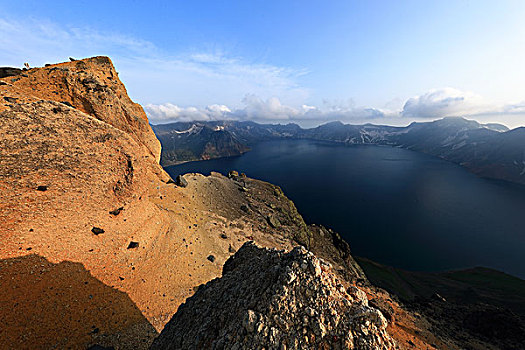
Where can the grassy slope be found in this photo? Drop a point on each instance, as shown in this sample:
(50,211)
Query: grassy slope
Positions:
(465,286)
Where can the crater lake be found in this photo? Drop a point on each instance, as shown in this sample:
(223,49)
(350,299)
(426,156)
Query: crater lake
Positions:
(395,206)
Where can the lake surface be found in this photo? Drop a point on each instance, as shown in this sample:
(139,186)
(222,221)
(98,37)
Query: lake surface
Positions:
(395,206)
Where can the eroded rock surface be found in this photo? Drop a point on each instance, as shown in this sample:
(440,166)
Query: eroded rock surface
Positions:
(90,85)
(276,300)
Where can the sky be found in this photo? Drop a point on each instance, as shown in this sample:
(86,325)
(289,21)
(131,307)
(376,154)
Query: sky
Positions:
(308,62)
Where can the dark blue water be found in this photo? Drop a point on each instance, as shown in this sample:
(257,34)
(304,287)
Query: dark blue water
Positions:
(395,206)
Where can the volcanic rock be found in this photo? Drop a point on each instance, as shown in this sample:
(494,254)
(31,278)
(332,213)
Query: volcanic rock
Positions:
(9,71)
(133,245)
(117,211)
(274,299)
(97,230)
(181,181)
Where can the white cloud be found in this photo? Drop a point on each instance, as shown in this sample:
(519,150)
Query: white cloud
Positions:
(169,112)
(270,109)
(434,104)
(445,102)
(264,110)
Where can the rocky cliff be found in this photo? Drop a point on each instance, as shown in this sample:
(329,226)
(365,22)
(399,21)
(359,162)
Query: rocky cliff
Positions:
(78,162)
(91,86)
(101,247)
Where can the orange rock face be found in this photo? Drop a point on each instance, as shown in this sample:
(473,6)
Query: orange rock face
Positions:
(97,246)
(91,86)
(74,148)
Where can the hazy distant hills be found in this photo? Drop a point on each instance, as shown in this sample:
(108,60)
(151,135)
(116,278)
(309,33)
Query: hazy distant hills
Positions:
(489,150)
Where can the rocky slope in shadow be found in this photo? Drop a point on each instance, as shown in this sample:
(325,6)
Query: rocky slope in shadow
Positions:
(39,298)
(478,308)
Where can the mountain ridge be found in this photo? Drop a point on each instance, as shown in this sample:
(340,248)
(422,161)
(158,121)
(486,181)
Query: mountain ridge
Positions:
(488,150)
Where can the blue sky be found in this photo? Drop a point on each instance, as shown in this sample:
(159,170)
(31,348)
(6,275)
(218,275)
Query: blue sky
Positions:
(303,61)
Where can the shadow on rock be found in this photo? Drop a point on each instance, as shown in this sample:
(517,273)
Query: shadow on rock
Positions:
(46,305)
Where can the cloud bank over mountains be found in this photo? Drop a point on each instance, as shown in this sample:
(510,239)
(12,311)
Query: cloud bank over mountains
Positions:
(434,104)
(262,110)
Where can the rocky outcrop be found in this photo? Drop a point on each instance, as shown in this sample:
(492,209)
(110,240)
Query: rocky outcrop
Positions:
(9,72)
(71,152)
(276,300)
(91,86)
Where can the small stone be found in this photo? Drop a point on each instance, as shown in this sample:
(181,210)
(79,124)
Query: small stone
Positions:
(41,188)
(211,258)
(319,329)
(133,245)
(181,181)
(97,230)
(358,294)
(249,321)
(117,211)
(273,221)
(315,267)
(224,236)
(310,312)
(438,297)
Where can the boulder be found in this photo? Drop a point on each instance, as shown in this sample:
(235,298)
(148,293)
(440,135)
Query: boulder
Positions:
(97,230)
